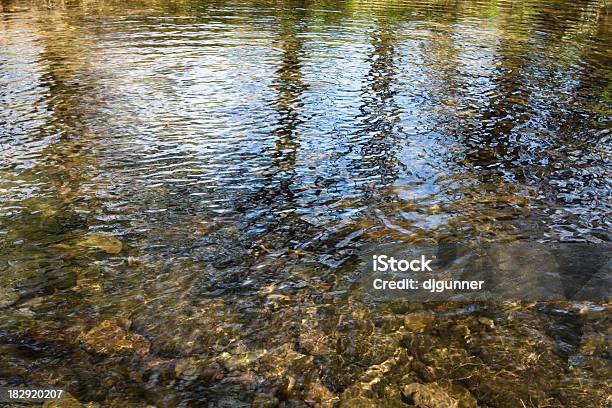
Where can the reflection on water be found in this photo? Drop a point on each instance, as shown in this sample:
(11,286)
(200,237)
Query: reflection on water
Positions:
(186,188)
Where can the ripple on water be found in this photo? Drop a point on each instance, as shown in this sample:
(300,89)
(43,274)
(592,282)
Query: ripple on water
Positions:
(237,156)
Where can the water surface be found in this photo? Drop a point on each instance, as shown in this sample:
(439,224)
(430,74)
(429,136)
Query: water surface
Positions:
(243,154)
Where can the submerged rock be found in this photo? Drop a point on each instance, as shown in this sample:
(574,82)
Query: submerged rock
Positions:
(318,395)
(191,369)
(7,297)
(106,243)
(486,322)
(240,360)
(418,321)
(265,401)
(314,342)
(109,338)
(45,281)
(429,396)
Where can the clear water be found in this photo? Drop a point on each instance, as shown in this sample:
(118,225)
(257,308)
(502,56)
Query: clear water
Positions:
(244,153)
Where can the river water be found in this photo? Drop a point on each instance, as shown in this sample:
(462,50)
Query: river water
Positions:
(186,188)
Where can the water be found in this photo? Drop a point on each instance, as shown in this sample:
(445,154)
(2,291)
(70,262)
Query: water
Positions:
(244,154)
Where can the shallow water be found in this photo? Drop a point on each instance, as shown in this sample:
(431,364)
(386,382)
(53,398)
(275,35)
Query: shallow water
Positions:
(243,155)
